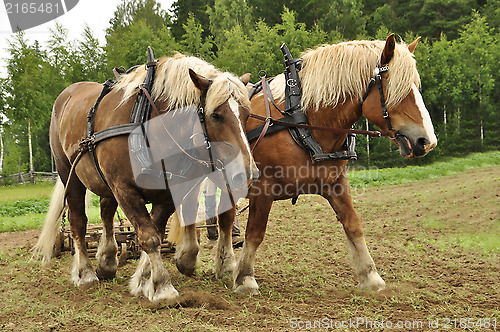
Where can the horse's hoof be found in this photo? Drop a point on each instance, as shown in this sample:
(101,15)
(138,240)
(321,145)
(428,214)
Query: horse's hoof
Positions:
(85,278)
(105,273)
(249,286)
(168,294)
(185,270)
(373,282)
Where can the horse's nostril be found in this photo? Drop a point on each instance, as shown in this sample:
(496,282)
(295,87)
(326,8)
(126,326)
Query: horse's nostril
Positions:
(422,142)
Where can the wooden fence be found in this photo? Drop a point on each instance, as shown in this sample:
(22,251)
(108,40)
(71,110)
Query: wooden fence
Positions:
(28,178)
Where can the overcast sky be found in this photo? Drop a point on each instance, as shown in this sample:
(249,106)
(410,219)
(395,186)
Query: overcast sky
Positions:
(96,13)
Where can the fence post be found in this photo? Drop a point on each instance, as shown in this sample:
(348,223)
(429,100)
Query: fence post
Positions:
(21,179)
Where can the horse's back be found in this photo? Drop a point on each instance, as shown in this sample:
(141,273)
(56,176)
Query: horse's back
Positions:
(76,92)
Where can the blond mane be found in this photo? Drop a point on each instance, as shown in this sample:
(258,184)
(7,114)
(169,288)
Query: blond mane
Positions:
(332,74)
(174,86)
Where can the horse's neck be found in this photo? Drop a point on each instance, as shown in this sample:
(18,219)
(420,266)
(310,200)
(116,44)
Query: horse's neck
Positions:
(342,116)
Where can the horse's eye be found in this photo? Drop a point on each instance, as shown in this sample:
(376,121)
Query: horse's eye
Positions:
(216,117)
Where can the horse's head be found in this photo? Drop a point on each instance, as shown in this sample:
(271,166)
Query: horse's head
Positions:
(227,109)
(408,121)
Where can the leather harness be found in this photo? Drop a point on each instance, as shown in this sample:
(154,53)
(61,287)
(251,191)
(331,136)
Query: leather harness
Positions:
(295,118)
(296,121)
(140,114)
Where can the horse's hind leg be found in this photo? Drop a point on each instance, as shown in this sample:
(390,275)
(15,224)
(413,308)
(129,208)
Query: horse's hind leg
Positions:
(340,199)
(108,249)
(82,272)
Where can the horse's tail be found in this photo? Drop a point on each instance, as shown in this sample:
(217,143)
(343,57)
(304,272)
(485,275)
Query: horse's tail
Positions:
(176,231)
(44,248)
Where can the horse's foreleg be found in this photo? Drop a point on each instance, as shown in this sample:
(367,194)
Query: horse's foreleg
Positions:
(224,260)
(151,278)
(82,272)
(243,276)
(108,248)
(187,251)
(363,265)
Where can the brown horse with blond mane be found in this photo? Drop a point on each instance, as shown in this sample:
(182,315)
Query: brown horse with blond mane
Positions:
(334,81)
(181,82)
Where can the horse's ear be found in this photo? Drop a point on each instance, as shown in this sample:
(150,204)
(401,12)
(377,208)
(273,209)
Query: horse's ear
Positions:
(388,52)
(412,46)
(245,78)
(199,81)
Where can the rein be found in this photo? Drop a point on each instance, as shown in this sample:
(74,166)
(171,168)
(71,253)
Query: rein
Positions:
(373,133)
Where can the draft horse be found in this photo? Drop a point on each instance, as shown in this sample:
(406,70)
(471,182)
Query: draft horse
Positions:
(180,82)
(335,79)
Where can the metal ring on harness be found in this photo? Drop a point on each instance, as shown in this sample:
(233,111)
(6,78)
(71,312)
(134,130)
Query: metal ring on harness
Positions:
(291,82)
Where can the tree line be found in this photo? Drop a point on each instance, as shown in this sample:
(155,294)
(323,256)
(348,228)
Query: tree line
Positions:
(458,61)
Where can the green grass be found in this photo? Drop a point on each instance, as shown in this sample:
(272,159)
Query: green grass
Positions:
(13,193)
(22,214)
(486,243)
(389,176)
(24,207)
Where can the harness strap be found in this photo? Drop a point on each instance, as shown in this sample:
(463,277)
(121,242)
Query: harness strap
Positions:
(113,132)
(253,134)
(268,111)
(385,113)
(107,87)
(257,87)
(340,155)
(143,103)
(86,144)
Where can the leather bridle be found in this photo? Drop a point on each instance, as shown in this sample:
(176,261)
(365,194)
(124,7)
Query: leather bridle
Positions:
(377,78)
